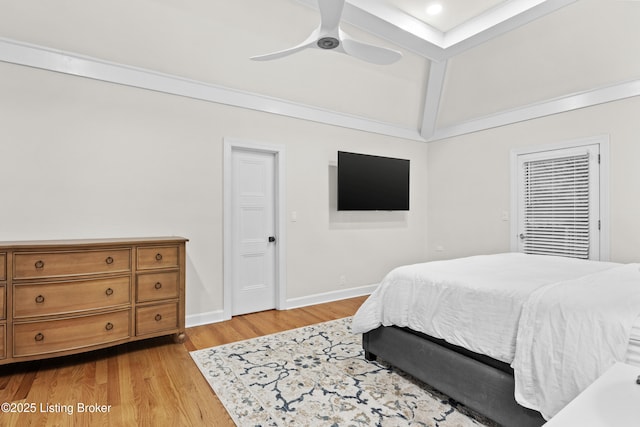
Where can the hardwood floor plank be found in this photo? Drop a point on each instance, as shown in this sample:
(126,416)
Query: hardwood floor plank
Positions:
(145,383)
(113,379)
(25,385)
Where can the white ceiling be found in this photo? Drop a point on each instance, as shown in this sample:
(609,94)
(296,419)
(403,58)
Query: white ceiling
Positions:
(458,75)
(462,24)
(454,12)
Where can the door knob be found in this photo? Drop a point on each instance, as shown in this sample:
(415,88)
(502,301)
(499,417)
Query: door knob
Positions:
(523,236)
(272,239)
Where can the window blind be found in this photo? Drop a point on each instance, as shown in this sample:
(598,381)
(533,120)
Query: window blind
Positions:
(556,207)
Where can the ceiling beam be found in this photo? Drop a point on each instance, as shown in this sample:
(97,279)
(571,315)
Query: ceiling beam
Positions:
(437,74)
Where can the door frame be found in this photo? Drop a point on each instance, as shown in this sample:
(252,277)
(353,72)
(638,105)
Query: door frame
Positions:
(603,142)
(231,144)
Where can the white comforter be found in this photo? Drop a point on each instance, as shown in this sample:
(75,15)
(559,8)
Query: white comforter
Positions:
(570,333)
(526,310)
(472,302)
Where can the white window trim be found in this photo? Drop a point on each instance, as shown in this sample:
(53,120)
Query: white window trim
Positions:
(603,142)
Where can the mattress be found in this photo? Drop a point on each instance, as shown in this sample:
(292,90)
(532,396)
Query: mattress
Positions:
(471,302)
(487,304)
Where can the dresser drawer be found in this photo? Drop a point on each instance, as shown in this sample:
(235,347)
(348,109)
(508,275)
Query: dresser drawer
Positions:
(69,334)
(3,346)
(63,297)
(30,265)
(157,257)
(157,286)
(3,304)
(156,318)
(3,266)
(43,299)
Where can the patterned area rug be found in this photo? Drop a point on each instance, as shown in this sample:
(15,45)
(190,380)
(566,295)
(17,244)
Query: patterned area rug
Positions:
(318,376)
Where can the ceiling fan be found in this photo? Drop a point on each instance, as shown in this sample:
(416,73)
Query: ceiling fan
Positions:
(330,36)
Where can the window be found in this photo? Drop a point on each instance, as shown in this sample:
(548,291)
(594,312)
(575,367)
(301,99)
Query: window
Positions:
(558,201)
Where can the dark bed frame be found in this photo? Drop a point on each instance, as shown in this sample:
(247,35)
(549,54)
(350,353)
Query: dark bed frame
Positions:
(477,381)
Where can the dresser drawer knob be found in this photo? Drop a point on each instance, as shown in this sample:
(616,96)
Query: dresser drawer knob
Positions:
(39,299)
(158,317)
(39,337)
(109,292)
(158,285)
(108,326)
(158,257)
(39,264)
(109,260)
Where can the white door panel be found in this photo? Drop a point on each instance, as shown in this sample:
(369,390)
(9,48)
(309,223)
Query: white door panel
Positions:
(253,222)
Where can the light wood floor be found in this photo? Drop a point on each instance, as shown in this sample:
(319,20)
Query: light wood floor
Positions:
(146,383)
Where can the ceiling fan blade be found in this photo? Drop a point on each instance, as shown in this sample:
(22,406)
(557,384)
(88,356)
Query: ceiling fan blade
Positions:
(367,52)
(328,35)
(309,42)
(330,13)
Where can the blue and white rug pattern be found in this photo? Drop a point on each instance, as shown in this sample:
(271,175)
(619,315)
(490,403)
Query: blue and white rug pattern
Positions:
(318,376)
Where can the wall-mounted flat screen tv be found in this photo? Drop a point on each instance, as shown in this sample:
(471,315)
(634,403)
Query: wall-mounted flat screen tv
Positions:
(372,183)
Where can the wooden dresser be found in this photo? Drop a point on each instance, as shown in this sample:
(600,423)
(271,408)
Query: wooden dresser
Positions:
(69,296)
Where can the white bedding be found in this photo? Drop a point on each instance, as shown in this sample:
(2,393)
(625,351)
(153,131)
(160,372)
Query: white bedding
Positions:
(633,351)
(471,302)
(570,333)
(477,303)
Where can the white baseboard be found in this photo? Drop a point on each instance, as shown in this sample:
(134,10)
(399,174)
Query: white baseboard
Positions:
(204,318)
(218,315)
(329,297)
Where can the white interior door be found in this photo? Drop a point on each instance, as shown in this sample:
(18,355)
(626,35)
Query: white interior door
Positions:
(253,231)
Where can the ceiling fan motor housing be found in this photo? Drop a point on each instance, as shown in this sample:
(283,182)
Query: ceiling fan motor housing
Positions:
(328,43)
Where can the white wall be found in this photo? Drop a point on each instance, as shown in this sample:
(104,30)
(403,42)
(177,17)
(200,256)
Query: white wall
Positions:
(586,45)
(84,158)
(469,179)
(211,41)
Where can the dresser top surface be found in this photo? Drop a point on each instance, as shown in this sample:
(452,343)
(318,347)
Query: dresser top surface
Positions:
(92,242)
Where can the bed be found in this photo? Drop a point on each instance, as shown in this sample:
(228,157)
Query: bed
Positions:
(479,329)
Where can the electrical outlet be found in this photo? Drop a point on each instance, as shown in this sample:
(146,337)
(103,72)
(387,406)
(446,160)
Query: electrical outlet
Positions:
(343,280)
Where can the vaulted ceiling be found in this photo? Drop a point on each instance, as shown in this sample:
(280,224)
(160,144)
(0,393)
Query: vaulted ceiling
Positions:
(445,16)
(477,64)
(460,25)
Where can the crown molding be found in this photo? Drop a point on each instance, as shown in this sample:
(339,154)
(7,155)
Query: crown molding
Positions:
(30,55)
(563,104)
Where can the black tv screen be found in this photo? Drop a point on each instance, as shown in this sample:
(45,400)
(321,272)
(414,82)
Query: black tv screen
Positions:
(372,183)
